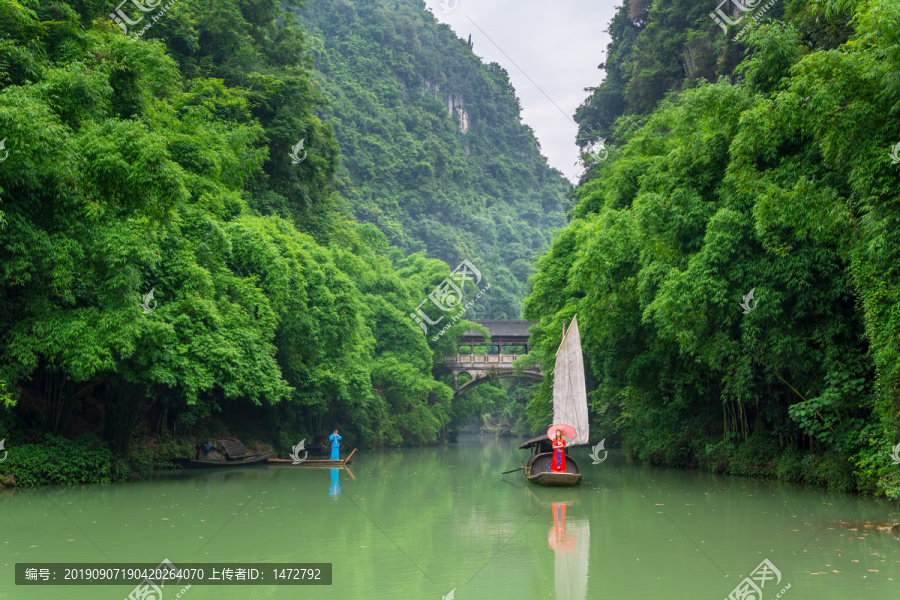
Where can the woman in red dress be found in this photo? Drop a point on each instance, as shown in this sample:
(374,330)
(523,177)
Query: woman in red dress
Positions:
(559,456)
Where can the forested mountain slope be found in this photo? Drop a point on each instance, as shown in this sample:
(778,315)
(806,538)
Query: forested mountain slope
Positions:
(782,179)
(664,46)
(168,270)
(433,150)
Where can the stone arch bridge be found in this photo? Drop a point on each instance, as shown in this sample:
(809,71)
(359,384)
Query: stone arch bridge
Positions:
(495,364)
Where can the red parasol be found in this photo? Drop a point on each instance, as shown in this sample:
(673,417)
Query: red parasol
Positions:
(568,431)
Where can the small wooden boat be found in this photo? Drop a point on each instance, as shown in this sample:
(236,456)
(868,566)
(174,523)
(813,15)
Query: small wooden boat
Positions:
(537,469)
(289,462)
(227,452)
(195,463)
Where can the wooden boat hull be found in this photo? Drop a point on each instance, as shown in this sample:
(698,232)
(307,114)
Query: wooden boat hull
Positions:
(538,471)
(287,462)
(556,479)
(194,463)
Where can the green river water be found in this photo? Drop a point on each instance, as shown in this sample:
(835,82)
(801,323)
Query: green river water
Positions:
(418,524)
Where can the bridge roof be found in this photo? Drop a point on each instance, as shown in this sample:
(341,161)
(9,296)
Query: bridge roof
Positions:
(503,328)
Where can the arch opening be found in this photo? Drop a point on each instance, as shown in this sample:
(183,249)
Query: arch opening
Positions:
(462,389)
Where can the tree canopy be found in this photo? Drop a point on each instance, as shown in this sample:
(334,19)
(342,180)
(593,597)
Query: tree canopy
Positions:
(779,182)
(162,253)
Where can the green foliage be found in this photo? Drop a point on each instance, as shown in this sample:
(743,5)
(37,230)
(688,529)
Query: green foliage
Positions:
(162,163)
(757,457)
(790,466)
(58,461)
(832,471)
(6,398)
(777,181)
(433,149)
(660,47)
(149,456)
(823,417)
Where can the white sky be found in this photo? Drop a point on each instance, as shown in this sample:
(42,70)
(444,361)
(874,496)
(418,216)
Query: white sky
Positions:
(550,48)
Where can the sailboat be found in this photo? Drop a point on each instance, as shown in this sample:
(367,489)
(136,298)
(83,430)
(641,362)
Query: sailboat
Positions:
(569,407)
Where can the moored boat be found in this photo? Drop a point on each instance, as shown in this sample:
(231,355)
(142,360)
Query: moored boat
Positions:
(227,452)
(537,469)
(194,463)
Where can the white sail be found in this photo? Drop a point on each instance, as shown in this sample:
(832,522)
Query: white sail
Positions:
(569,394)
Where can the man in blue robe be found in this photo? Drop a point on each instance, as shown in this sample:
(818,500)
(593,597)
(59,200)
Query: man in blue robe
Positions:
(335,445)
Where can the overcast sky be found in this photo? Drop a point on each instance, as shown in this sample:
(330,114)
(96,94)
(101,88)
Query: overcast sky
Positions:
(551,49)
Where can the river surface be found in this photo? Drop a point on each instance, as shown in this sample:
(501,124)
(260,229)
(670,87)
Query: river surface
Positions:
(417,524)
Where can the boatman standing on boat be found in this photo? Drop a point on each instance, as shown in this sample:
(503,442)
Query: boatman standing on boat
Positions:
(335,445)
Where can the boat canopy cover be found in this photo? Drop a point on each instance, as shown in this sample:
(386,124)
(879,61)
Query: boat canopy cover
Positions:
(538,441)
(569,394)
(233,448)
(228,448)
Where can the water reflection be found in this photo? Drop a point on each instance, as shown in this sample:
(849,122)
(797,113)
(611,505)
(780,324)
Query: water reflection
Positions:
(456,495)
(570,543)
(335,490)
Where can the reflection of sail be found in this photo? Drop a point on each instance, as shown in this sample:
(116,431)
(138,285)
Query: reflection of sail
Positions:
(571,543)
(569,394)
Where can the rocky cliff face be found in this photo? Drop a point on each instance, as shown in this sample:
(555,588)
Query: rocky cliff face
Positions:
(455,106)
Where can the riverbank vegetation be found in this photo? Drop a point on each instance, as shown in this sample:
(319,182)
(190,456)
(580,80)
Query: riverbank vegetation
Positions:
(763,166)
(170,272)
